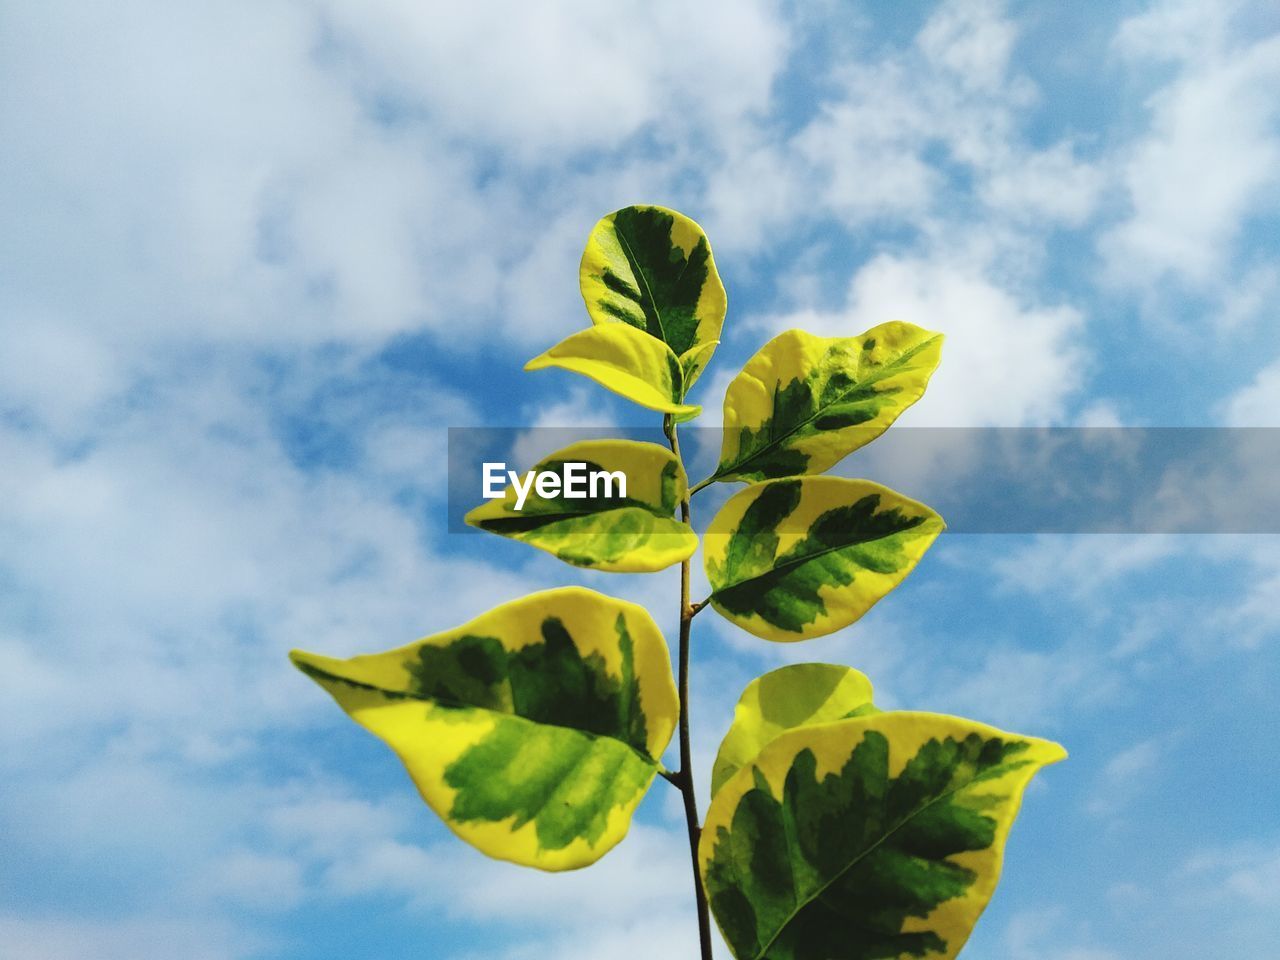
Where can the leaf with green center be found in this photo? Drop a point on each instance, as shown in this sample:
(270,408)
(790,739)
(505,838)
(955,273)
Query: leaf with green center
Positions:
(652,268)
(627,361)
(798,558)
(865,839)
(632,534)
(803,403)
(533,731)
(799,695)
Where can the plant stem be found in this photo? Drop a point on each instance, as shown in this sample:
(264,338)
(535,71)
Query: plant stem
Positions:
(683,779)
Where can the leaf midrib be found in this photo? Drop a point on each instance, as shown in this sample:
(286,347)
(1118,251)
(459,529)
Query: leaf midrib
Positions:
(856,860)
(639,272)
(885,371)
(462,705)
(798,561)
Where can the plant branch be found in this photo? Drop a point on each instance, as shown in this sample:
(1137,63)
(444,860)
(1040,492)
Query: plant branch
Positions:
(684,778)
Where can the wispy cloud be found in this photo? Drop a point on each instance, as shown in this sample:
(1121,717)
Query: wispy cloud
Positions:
(1214,115)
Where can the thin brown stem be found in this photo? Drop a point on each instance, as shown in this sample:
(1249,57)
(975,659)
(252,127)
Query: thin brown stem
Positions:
(683,778)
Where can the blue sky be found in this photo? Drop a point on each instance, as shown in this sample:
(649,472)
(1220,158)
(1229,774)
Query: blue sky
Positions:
(258,256)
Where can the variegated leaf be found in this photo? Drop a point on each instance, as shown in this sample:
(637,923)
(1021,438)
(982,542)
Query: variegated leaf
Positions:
(632,534)
(865,839)
(797,695)
(627,361)
(797,558)
(652,268)
(533,731)
(803,403)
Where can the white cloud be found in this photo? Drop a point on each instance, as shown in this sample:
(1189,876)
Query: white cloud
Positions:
(255,880)
(663,935)
(198,177)
(197,191)
(1039,934)
(559,78)
(61,938)
(1021,689)
(1048,185)
(972,40)
(1006,362)
(1249,872)
(1250,619)
(1124,776)
(870,151)
(271,176)
(1258,403)
(1209,161)
(153,582)
(1258,881)
(1177,30)
(638,895)
(1081,566)
(1247,298)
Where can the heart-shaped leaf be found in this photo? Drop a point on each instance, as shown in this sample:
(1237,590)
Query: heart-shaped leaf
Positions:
(797,695)
(798,558)
(869,838)
(635,533)
(652,268)
(627,361)
(803,403)
(533,731)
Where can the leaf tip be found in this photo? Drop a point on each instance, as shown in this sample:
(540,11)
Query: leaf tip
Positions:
(314,665)
(1054,752)
(540,362)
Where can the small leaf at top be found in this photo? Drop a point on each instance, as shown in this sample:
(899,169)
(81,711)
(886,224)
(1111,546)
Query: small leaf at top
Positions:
(802,557)
(871,838)
(652,268)
(797,695)
(632,534)
(533,731)
(627,361)
(803,403)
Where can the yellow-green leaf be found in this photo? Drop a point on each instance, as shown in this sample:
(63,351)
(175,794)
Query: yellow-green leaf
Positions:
(533,731)
(798,695)
(695,361)
(871,838)
(803,403)
(625,360)
(797,558)
(632,534)
(652,268)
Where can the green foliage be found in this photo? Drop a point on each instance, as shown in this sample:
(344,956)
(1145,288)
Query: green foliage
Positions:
(874,837)
(803,403)
(533,731)
(627,361)
(799,695)
(798,558)
(835,830)
(652,268)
